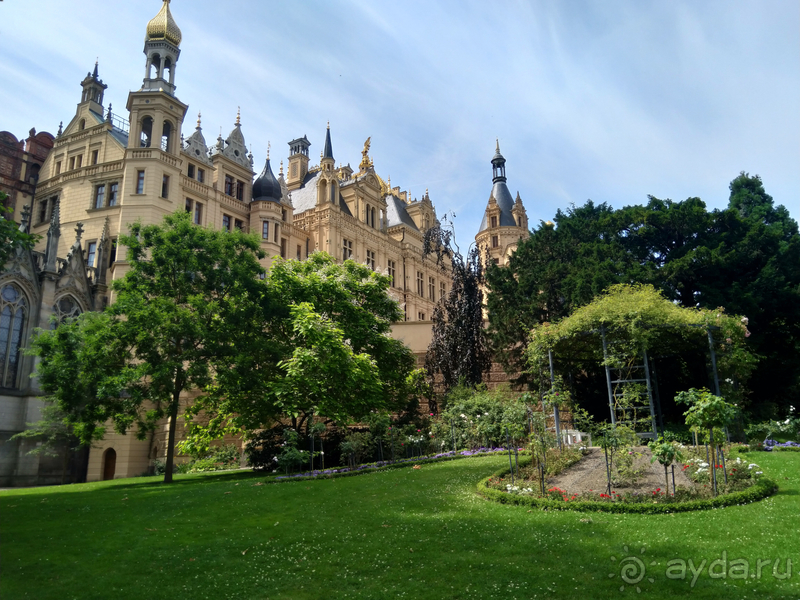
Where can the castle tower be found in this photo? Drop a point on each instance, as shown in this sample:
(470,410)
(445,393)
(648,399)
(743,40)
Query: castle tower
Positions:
(505,220)
(298,162)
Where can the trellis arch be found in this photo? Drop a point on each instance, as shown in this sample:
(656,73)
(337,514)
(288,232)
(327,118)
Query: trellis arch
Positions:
(628,324)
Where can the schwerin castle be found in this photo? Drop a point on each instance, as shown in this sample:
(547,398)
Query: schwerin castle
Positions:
(82,188)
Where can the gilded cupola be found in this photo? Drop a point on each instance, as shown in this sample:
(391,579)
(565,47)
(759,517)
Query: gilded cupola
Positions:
(163,27)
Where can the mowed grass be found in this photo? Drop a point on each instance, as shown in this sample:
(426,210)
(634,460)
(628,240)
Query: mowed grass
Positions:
(403,533)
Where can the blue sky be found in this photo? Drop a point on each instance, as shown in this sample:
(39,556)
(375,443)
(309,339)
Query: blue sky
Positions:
(610,100)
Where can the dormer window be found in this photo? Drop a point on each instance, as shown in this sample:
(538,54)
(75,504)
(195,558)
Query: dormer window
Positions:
(494,221)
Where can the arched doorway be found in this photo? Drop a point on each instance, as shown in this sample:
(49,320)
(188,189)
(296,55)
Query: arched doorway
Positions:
(109,464)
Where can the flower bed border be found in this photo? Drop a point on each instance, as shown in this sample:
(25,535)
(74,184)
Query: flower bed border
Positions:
(763,488)
(377,467)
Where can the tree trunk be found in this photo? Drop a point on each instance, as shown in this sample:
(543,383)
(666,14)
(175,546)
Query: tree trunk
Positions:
(173,425)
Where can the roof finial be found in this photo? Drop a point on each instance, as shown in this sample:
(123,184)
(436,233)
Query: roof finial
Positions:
(61,129)
(268,148)
(281,171)
(78,232)
(199,116)
(498,144)
(329,124)
(238,116)
(108,116)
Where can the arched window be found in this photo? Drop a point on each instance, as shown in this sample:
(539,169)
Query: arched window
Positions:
(147,131)
(167,69)
(155,65)
(13,311)
(109,464)
(166,136)
(66,308)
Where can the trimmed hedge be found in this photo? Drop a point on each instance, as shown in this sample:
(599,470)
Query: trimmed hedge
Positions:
(396,465)
(761,489)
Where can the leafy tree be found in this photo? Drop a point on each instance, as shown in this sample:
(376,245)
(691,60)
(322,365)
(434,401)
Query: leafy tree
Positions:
(459,348)
(324,349)
(11,237)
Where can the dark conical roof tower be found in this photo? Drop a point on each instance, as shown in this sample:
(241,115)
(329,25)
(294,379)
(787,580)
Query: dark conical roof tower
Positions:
(327,152)
(267,187)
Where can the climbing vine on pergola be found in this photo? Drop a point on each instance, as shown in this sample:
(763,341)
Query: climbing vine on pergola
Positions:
(629,324)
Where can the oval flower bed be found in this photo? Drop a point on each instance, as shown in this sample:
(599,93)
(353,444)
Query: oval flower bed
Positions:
(497,488)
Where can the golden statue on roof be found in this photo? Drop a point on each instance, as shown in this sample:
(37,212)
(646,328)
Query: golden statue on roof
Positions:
(365,162)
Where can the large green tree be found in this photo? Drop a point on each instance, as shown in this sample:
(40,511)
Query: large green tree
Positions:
(745,257)
(323,347)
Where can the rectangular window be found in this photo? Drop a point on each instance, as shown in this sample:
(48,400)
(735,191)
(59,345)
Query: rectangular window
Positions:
(347,249)
(420,284)
(91,250)
(201,175)
(494,221)
(442,290)
(283,247)
(189,205)
(495,241)
(283,215)
(239,190)
(94,156)
(99,196)
(299,252)
(140,182)
(371,259)
(229,185)
(71,163)
(265,230)
(432,288)
(198,213)
(307,247)
(276,233)
(190,172)
(79,161)
(58,168)
(112,194)
(421,316)
(392,270)
(238,224)
(226,222)
(165,186)
(43,211)
(112,255)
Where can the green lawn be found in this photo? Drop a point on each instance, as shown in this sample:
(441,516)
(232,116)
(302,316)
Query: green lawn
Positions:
(402,533)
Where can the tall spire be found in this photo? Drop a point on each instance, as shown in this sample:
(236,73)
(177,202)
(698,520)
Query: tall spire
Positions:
(95,74)
(327,152)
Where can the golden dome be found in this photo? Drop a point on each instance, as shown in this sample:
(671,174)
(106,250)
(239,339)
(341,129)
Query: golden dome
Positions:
(163,27)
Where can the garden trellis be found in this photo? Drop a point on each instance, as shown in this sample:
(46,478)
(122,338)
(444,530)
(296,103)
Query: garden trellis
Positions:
(623,329)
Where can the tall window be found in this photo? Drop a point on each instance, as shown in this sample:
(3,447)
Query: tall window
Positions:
(420,284)
(495,241)
(229,185)
(58,168)
(392,270)
(239,190)
(189,205)
(265,230)
(420,316)
(91,250)
(43,210)
(94,156)
(99,196)
(190,171)
(201,175)
(79,161)
(226,222)
(140,182)
(71,163)
(165,186)
(432,288)
(13,311)
(113,189)
(283,247)
(371,259)
(347,249)
(112,255)
(198,213)
(441,290)
(238,224)
(299,252)
(494,221)
(283,214)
